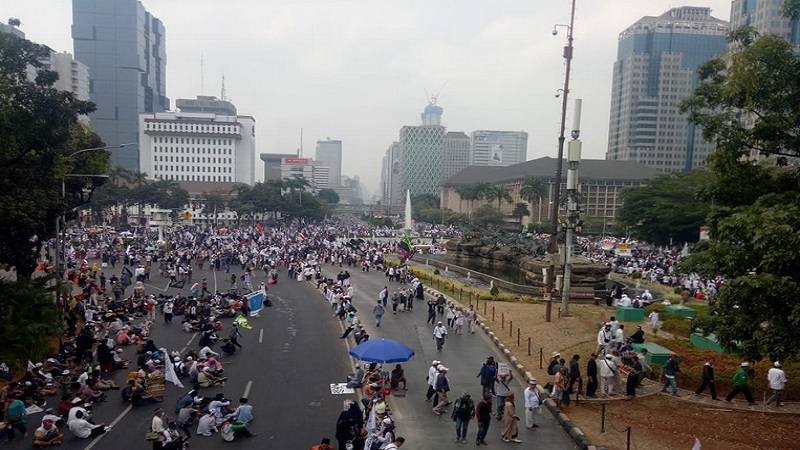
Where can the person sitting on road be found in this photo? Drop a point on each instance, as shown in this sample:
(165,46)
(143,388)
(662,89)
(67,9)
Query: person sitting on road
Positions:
(397,377)
(47,434)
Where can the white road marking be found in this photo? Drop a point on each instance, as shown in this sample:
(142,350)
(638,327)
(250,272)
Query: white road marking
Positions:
(247,389)
(188,343)
(261,336)
(111,425)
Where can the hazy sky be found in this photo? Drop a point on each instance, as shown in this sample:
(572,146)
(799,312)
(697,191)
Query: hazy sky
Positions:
(357,70)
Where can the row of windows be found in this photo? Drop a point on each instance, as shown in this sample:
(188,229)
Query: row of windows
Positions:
(180,140)
(192,159)
(194,169)
(195,150)
(190,127)
(194,178)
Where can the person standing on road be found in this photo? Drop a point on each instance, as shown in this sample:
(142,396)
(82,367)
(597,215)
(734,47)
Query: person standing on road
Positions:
(708,380)
(777,382)
(607,372)
(439,335)
(741,383)
(470,317)
(533,404)
(488,375)
(591,374)
(431,379)
(633,377)
(463,412)
(442,388)
(504,377)
(431,312)
(168,307)
(573,377)
(383,296)
(510,428)
(483,415)
(378,310)
(671,370)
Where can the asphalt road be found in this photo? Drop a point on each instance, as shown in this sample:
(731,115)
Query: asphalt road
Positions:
(462,354)
(290,357)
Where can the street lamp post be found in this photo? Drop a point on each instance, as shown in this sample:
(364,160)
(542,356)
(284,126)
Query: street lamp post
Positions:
(553,244)
(61,222)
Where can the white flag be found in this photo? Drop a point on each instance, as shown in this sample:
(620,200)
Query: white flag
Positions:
(169,369)
(696,445)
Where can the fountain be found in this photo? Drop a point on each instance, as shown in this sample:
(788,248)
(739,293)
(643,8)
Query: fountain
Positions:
(407,226)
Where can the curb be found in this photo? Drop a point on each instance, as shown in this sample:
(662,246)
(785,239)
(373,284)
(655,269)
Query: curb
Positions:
(571,429)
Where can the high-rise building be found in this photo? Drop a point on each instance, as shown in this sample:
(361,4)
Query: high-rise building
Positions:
(321,173)
(656,69)
(123,46)
(498,148)
(766,17)
(421,158)
(193,145)
(455,156)
(73,76)
(329,153)
(392,178)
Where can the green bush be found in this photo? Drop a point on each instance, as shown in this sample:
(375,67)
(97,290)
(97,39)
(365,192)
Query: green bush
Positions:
(494,291)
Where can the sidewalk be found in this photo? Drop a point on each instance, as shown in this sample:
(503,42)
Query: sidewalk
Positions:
(462,354)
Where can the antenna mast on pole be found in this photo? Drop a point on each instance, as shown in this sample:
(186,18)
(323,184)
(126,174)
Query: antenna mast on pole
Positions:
(222,94)
(202,76)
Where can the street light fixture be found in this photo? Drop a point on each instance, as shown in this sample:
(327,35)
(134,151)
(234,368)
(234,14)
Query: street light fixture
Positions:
(61,223)
(552,248)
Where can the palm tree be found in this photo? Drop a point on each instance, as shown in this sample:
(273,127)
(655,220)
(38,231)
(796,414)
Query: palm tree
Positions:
(498,192)
(520,210)
(533,188)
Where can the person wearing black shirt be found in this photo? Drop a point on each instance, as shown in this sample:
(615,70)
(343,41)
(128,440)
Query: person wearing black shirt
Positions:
(483,415)
(591,373)
(708,380)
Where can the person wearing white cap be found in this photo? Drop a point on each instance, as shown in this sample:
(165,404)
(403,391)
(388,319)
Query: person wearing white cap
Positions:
(741,383)
(777,381)
(431,379)
(533,403)
(439,335)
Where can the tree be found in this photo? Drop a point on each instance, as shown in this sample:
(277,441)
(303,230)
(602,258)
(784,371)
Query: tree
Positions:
(213,203)
(485,215)
(29,319)
(533,188)
(667,209)
(520,210)
(752,104)
(498,192)
(39,129)
(329,195)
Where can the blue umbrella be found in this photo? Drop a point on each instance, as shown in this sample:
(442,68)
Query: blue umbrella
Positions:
(382,351)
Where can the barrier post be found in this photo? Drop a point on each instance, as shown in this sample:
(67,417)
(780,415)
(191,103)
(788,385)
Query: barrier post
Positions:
(518,336)
(541,358)
(603,419)
(529,346)
(510,328)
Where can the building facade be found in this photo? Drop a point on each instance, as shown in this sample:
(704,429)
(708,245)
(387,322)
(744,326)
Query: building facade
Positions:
(766,16)
(421,158)
(600,184)
(498,148)
(297,167)
(123,46)
(392,179)
(329,153)
(321,173)
(73,76)
(656,69)
(455,153)
(187,145)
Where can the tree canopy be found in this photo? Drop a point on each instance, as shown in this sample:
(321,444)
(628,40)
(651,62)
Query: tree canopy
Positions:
(749,105)
(669,209)
(39,130)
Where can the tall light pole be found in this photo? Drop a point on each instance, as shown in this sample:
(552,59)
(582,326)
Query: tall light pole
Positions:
(553,244)
(573,158)
(61,222)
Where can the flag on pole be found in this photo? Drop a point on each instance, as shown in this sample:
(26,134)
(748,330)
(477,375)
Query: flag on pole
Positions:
(169,369)
(405,248)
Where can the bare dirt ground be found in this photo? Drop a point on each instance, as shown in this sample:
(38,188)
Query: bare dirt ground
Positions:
(660,422)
